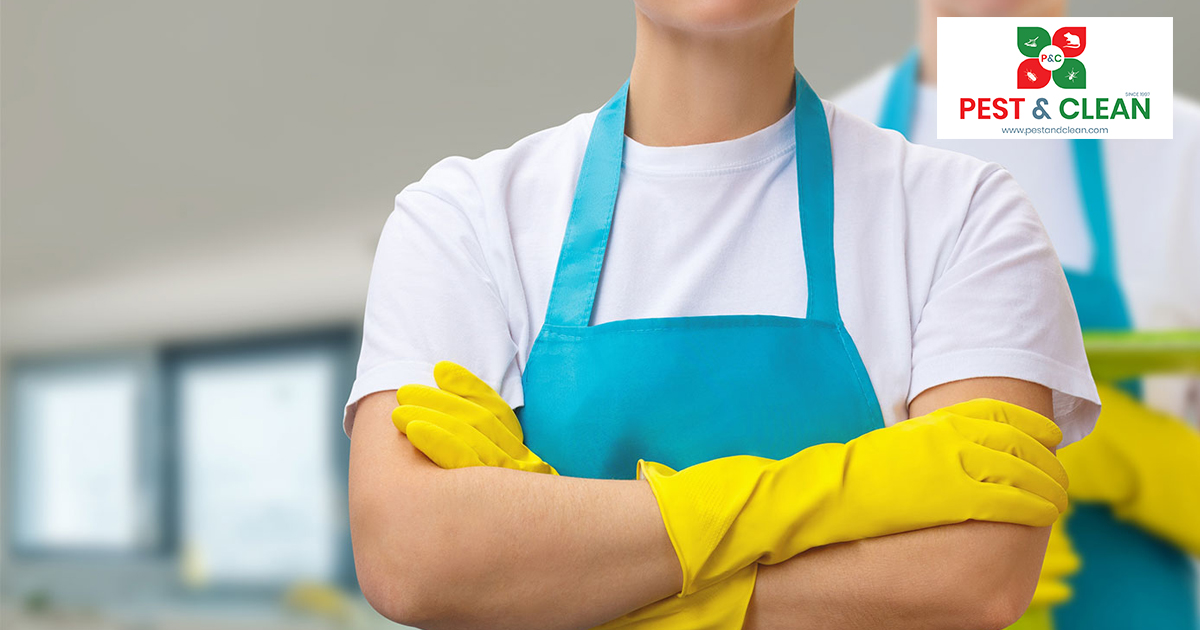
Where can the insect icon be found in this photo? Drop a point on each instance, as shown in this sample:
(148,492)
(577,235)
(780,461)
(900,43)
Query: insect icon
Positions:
(1032,43)
(1071,75)
(1032,76)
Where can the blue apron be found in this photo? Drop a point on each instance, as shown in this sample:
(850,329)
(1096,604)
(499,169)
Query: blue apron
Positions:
(684,390)
(1129,578)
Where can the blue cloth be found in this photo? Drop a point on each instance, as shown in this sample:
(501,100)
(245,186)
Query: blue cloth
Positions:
(1129,578)
(685,390)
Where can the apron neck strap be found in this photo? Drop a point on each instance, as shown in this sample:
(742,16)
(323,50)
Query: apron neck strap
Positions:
(582,255)
(901,98)
(814,181)
(1089,171)
(573,294)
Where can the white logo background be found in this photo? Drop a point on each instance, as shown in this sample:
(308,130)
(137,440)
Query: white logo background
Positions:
(978,58)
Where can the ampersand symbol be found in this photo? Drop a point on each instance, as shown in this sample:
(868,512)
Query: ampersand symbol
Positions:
(1039,112)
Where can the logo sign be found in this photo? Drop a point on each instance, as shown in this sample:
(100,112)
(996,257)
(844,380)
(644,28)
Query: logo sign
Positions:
(1049,57)
(1054,95)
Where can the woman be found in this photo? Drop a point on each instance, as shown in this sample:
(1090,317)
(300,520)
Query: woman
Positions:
(665,279)
(1122,216)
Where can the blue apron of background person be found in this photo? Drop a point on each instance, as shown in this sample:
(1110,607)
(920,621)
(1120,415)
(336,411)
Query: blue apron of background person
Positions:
(684,390)
(1129,579)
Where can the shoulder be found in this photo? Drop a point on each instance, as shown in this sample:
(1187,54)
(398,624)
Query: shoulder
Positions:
(1187,118)
(484,183)
(1157,176)
(1186,132)
(1184,146)
(883,162)
(929,203)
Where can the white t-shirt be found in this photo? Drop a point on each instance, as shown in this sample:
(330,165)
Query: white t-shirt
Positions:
(943,270)
(1154,199)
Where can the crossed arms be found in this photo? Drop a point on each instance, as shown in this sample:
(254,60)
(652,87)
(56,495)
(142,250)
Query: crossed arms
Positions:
(496,548)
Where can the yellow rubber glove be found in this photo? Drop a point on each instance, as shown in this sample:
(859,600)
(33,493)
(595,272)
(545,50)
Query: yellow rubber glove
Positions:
(1036,618)
(979,460)
(469,431)
(463,422)
(721,606)
(1145,465)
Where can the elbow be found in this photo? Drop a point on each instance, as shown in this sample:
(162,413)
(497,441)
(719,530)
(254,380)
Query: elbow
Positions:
(392,583)
(971,602)
(1000,609)
(993,599)
(397,569)
(409,588)
(989,583)
(388,595)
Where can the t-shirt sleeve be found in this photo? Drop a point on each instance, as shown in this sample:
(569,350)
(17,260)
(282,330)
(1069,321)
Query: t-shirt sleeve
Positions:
(1001,307)
(431,298)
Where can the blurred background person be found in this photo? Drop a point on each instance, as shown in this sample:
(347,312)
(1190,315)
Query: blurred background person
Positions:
(1124,217)
(190,198)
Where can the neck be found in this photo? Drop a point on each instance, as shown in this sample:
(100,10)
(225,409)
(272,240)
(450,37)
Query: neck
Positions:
(695,88)
(927,41)
(928,11)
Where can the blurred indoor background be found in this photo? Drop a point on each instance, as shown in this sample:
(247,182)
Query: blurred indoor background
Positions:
(191,196)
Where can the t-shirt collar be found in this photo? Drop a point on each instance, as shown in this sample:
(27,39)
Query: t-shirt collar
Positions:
(758,147)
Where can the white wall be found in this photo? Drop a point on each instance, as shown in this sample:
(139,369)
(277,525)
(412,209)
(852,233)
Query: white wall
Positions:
(178,169)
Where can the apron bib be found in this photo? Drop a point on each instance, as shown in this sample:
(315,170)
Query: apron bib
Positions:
(1129,578)
(685,390)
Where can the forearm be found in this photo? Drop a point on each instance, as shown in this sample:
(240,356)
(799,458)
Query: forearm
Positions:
(489,547)
(967,575)
(971,575)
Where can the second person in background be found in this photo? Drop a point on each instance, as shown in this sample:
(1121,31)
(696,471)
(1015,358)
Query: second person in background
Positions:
(1124,217)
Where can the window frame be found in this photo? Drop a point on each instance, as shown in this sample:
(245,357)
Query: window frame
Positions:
(342,344)
(150,449)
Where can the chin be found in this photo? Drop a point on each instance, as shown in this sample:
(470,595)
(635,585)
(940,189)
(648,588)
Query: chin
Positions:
(714,15)
(1001,8)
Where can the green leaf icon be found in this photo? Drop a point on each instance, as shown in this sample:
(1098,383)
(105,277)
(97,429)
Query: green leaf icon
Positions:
(1071,75)
(1031,40)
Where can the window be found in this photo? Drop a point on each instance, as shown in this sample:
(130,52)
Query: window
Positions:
(223,464)
(258,437)
(77,437)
